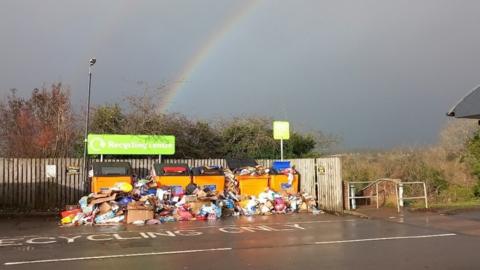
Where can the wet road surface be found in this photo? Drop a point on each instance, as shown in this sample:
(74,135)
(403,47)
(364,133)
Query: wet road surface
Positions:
(301,241)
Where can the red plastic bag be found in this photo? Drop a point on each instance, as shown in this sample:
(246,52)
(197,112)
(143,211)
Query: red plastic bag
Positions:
(200,217)
(184,215)
(67,213)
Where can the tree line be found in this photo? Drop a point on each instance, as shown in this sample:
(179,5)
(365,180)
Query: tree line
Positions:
(45,125)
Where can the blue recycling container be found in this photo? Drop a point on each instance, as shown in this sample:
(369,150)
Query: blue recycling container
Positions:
(279,166)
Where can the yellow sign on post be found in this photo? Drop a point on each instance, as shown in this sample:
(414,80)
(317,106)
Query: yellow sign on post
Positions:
(281,130)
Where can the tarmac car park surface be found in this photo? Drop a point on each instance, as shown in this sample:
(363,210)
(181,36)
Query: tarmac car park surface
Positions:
(300,241)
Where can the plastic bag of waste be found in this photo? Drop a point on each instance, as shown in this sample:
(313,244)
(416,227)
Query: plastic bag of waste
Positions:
(153,222)
(78,218)
(205,210)
(279,205)
(163,195)
(139,222)
(142,182)
(264,209)
(86,209)
(229,204)
(267,195)
(104,217)
(124,201)
(167,219)
(218,211)
(116,219)
(184,214)
(293,205)
(251,207)
(123,186)
(191,189)
(177,191)
(66,220)
(181,202)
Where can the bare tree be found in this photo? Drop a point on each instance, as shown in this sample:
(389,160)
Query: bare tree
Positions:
(40,126)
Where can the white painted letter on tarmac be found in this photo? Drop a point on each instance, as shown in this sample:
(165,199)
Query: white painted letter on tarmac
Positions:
(187,233)
(70,239)
(118,237)
(10,242)
(295,226)
(144,235)
(155,234)
(36,240)
(230,230)
(256,228)
(95,237)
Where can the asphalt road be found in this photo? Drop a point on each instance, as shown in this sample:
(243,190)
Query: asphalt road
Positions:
(275,242)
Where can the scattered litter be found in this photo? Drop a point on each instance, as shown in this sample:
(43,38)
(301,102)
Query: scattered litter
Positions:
(147,201)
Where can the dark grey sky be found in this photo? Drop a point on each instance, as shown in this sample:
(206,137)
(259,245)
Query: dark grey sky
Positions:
(378,73)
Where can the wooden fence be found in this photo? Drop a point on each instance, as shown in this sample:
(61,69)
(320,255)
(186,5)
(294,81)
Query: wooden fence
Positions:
(48,184)
(329,184)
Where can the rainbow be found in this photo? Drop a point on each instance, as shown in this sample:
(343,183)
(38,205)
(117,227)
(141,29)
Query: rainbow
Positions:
(104,33)
(203,53)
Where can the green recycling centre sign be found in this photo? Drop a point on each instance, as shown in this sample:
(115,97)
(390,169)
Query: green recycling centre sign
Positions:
(110,144)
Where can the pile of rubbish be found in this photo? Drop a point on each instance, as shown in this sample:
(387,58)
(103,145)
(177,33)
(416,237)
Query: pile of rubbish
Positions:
(252,171)
(147,203)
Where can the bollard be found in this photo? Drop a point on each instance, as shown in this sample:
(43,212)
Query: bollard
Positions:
(400,194)
(352,195)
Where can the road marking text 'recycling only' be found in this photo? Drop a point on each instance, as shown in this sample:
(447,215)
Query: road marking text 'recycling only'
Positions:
(250,229)
(124,236)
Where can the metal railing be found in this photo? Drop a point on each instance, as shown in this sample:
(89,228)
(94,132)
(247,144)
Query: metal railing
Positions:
(351,194)
(401,198)
(351,197)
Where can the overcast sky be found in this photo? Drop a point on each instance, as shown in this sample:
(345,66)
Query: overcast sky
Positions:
(377,73)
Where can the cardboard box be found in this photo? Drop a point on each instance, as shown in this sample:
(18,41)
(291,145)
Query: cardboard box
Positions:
(101,200)
(102,194)
(196,206)
(138,205)
(201,194)
(105,207)
(303,208)
(138,214)
(190,198)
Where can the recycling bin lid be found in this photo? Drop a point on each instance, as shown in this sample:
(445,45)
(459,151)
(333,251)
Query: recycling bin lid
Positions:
(179,168)
(207,170)
(112,169)
(236,163)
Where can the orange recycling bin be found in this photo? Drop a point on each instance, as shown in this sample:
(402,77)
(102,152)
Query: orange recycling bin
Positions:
(173,181)
(108,174)
(209,177)
(279,182)
(252,185)
(172,175)
(214,182)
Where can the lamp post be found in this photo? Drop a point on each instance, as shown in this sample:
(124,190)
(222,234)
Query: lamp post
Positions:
(87,119)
